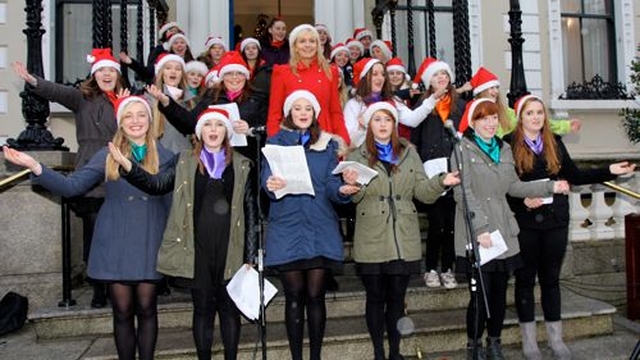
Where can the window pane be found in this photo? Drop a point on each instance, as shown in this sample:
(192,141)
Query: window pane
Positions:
(596,45)
(444,38)
(571,6)
(597,7)
(443,3)
(572,50)
(76,24)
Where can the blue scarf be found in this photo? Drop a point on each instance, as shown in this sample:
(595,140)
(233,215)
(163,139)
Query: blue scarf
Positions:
(492,149)
(305,136)
(536,145)
(138,151)
(385,153)
(213,162)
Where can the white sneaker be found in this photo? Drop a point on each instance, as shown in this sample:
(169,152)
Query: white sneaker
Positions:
(431,279)
(449,280)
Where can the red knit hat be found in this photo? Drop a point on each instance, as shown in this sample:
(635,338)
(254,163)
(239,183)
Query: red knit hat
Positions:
(482,80)
(233,61)
(385,46)
(100,58)
(520,103)
(218,112)
(359,33)
(337,48)
(465,121)
(361,68)
(162,59)
(122,102)
(428,68)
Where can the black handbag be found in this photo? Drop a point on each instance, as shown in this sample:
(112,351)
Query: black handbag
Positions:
(13,312)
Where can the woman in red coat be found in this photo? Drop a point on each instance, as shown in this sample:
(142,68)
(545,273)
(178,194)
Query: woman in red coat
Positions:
(307,70)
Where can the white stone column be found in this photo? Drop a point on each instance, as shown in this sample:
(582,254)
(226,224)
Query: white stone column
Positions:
(203,17)
(577,215)
(340,17)
(599,214)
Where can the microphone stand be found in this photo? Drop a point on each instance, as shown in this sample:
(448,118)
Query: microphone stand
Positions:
(262,325)
(472,253)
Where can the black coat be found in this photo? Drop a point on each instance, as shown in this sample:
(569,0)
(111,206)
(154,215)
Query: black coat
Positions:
(431,138)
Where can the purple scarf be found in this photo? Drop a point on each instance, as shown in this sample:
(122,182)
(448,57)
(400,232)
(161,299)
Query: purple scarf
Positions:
(535,145)
(213,162)
(372,98)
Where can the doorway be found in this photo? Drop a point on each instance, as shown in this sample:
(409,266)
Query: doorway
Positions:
(251,17)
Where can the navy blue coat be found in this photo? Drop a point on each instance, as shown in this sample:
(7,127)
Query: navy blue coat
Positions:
(130,224)
(304,226)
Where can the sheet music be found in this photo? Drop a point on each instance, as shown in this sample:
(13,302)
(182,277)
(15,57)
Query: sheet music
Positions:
(244,290)
(289,163)
(237,140)
(365,173)
(498,247)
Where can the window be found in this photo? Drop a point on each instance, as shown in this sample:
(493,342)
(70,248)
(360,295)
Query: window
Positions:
(588,36)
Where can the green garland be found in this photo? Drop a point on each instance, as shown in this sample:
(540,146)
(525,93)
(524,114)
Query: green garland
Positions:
(631,117)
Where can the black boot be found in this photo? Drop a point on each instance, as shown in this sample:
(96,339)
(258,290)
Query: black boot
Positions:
(163,287)
(494,348)
(471,344)
(99,299)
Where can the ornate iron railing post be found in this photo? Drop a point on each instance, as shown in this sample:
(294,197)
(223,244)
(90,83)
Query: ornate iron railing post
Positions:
(152,24)
(139,30)
(461,45)
(97,24)
(431,13)
(518,86)
(34,108)
(108,24)
(392,16)
(411,65)
(378,16)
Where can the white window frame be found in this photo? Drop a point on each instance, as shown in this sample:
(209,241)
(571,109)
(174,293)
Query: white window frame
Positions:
(625,49)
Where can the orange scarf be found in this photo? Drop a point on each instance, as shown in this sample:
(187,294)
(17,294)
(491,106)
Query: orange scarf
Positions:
(443,107)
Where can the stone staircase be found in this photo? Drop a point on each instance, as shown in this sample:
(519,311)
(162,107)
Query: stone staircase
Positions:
(437,315)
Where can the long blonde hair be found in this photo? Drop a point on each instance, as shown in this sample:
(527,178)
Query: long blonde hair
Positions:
(151,161)
(159,118)
(322,61)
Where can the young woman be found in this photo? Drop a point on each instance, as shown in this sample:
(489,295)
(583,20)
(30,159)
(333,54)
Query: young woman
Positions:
(381,50)
(303,240)
(195,72)
(308,70)
(129,226)
(356,50)
(220,231)
(93,107)
(215,48)
(340,57)
(365,37)
(544,226)
(170,77)
(325,40)
(274,45)
(387,243)
(433,142)
(260,73)
(488,176)
(401,87)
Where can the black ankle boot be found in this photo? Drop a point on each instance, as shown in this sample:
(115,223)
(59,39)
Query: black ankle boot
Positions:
(494,348)
(99,299)
(471,344)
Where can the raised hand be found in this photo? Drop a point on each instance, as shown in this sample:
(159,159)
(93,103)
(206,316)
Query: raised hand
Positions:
(19,158)
(575,125)
(21,70)
(561,187)
(157,94)
(125,58)
(123,93)
(117,156)
(622,168)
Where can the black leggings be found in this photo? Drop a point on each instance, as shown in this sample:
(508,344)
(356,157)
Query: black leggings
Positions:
(206,302)
(543,252)
(496,287)
(440,241)
(305,288)
(385,306)
(139,300)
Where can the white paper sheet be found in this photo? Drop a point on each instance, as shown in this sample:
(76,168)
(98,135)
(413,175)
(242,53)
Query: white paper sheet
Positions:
(545,200)
(498,247)
(237,140)
(244,290)
(435,167)
(289,163)
(365,173)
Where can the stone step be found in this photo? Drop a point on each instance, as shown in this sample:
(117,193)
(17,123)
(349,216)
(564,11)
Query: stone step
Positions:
(347,338)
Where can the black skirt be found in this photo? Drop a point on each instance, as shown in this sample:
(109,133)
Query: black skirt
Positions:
(395,267)
(318,262)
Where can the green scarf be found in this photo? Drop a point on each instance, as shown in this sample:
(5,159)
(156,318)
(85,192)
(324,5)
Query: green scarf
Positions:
(138,151)
(492,149)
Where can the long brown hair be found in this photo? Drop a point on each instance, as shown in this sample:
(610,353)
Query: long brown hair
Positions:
(396,145)
(363,90)
(151,161)
(322,61)
(159,117)
(226,145)
(314,129)
(451,91)
(523,156)
(90,88)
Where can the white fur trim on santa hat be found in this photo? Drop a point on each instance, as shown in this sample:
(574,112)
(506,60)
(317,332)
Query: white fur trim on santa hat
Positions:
(208,114)
(433,68)
(169,43)
(293,35)
(489,84)
(472,108)
(383,47)
(248,41)
(165,59)
(396,68)
(335,51)
(213,40)
(357,43)
(363,33)
(368,67)
(301,94)
(520,103)
(234,67)
(104,63)
(380,105)
(164,28)
(122,104)
(196,66)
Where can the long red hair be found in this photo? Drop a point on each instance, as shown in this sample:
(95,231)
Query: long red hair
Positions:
(523,156)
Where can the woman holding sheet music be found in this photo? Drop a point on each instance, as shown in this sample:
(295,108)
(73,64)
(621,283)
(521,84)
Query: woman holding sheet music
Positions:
(387,242)
(212,225)
(544,225)
(488,176)
(303,241)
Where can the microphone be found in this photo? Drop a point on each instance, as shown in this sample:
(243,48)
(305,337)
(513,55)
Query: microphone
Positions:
(451,130)
(253,131)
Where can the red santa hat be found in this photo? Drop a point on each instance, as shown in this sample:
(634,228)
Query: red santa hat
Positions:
(293,35)
(396,64)
(301,94)
(428,68)
(482,80)
(217,112)
(465,121)
(359,33)
(169,43)
(233,61)
(215,40)
(385,46)
(164,28)
(122,103)
(361,68)
(353,42)
(519,105)
(100,58)
(163,59)
(196,66)
(248,41)
(337,48)
(380,105)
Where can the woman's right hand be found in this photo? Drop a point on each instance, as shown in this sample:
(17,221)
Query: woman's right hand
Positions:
(21,70)
(157,94)
(117,156)
(561,187)
(275,183)
(484,240)
(125,58)
(22,159)
(532,203)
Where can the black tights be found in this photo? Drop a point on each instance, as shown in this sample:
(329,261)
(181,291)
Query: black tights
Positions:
(496,287)
(305,288)
(385,306)
(139,300)
(206,302)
